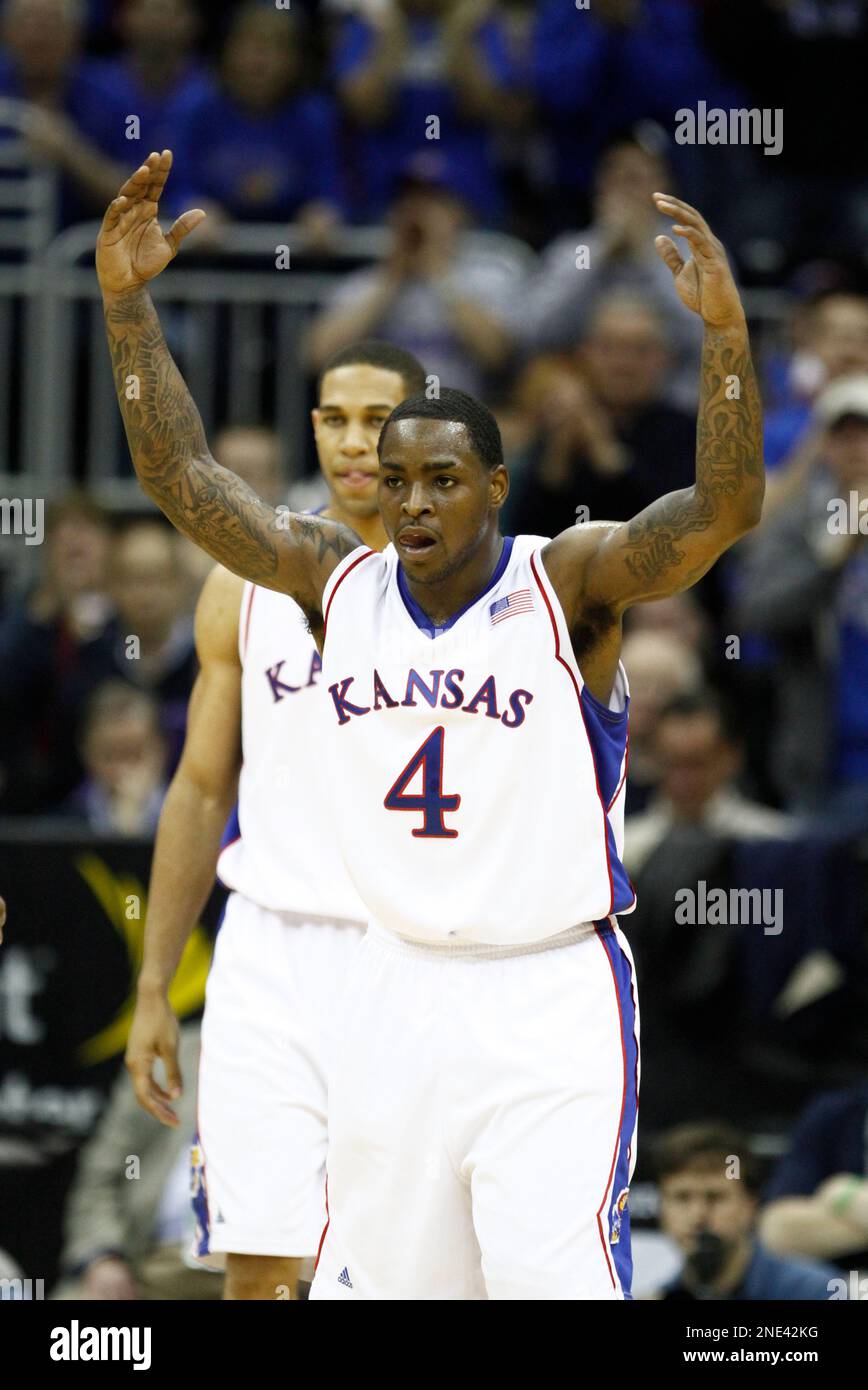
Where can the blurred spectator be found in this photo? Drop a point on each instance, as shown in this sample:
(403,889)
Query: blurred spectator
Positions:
(659,668)
(55,646)
(254,453)
(610,443)
(264,147)
(436,295)
(405,64)
(804,583)
(830,341)
(614,254)
(709,1191)
(600,70)
(124,756)
(153,630)
(678,616)
(817,1197)
(154,79)
(699,758)
(40,65)
(126,1239)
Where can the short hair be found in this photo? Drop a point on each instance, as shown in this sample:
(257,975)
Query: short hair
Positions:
(694,703)
(458,408)
(374,352)
(114,700)
(703,1145)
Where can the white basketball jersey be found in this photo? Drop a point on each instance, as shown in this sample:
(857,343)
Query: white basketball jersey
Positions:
(479,784)
(280,848)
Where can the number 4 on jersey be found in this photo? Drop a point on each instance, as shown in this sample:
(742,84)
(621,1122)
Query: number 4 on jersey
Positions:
(431,802)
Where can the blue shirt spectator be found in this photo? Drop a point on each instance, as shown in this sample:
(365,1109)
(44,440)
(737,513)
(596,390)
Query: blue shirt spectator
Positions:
(113,92)
(261,147)
(782,431)
(769,1277)
(261,166)
(420,66)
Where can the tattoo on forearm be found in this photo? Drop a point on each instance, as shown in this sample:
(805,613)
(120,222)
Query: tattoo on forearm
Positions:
(729,468)
(170,454)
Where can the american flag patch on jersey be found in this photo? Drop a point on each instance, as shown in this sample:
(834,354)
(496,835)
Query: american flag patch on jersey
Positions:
(519,602)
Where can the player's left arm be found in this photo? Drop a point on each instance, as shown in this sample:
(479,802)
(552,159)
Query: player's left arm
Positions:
(673,542)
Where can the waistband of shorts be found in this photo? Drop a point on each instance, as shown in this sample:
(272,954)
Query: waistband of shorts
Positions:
(476,950)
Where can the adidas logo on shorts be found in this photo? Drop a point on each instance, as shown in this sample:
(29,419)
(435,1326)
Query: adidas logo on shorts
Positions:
(344,1278)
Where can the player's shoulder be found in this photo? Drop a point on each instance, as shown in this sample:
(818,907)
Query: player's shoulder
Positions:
(576,544)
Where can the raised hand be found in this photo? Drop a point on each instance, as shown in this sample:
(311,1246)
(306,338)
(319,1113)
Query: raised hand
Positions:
(131,247)
(704,282)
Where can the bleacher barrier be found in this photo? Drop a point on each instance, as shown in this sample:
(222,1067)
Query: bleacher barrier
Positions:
(72,948)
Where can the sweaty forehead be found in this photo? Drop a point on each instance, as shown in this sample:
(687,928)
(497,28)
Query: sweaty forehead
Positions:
(416,439)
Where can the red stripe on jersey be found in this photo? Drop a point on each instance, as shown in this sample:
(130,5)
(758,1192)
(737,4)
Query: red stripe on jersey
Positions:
(325,1227)
(349,569)
(572,677)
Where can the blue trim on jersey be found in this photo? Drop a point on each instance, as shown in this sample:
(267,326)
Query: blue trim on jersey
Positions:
(198,1184)
(418,614)
(231,835)
(199,1199)
(607,735)
(232,831)
(618,1221)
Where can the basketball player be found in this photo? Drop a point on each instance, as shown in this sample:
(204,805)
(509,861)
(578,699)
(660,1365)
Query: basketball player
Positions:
(293,917)
(483,1110)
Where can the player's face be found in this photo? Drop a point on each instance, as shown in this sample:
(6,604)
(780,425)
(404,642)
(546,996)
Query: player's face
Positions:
(438,500)
(355,402)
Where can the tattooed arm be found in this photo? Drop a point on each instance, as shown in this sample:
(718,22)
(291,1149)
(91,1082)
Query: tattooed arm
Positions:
(211,505)
(672,543)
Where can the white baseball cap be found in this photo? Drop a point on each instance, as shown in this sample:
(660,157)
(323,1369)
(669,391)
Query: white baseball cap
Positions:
(849,396)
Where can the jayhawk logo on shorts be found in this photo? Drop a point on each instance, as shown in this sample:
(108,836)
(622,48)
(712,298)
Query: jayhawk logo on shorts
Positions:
(617,1215)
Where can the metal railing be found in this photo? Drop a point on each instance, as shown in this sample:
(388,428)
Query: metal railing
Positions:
(233,319)
(236,334)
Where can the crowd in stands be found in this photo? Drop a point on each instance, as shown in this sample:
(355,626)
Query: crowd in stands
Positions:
(749,693)
(312,112)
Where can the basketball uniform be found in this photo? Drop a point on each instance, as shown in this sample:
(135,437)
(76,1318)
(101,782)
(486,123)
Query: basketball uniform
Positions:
(290,929)
(482,1113)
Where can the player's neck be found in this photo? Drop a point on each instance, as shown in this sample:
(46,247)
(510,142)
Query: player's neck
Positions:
(369,529)
(442,599)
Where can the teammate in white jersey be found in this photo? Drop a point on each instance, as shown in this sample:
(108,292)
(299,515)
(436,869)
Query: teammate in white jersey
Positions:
(293,918)
(482,1114)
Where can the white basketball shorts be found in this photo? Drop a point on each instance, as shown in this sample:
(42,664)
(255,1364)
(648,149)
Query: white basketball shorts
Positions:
(482,1122)
(272,1012)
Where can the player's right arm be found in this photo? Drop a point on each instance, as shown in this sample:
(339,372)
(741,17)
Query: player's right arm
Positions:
(191,826)
(293,554)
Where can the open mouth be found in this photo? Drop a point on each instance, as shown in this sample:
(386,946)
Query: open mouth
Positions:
(415,542)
